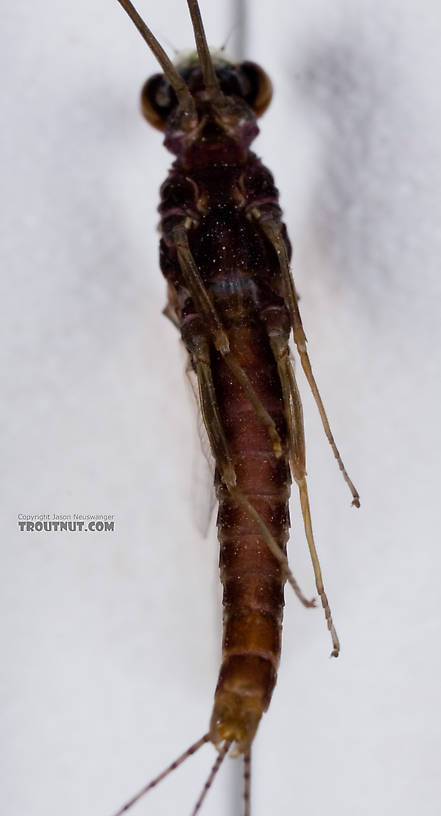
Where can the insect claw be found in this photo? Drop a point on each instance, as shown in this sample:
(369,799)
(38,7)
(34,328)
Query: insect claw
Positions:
(277,446)
(229,476)
(355,501)
(222,343)
(335,653)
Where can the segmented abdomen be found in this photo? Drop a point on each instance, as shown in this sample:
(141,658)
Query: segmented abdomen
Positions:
(251,576)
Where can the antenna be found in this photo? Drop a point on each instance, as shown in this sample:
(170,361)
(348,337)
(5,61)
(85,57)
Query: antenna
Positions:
(206,63)
(184,96)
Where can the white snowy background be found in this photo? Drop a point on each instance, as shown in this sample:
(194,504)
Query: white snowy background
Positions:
(110,643)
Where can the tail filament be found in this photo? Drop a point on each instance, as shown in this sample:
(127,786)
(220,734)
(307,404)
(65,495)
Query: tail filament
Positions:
(188,753)
(219,759)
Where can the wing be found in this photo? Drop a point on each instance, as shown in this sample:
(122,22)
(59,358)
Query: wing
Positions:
(202,492)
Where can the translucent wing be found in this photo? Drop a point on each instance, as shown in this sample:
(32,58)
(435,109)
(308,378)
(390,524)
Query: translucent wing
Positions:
(202,492)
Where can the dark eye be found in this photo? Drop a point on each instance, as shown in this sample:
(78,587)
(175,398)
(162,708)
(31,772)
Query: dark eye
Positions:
(157,101)
(258,86)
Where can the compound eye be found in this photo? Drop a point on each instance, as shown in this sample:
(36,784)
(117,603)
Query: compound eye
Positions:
(259,89)
(157,101)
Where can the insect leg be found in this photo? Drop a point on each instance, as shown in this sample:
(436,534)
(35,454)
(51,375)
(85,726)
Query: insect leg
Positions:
(272,227)
(278,338)
(259,408)
(200,351)
(206,309)
(271,543)
(197,289)
(210,411)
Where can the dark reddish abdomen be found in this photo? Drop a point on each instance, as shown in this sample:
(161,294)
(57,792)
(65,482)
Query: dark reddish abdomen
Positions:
(251,576)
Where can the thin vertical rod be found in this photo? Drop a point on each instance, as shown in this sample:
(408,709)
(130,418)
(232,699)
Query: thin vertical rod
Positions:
(206,63)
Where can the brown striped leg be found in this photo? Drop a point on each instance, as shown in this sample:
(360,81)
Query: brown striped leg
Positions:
(202,301)
(271,227)
(294,419)
(219,446)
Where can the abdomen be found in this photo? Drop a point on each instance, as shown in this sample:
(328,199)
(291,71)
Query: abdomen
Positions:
(251,576)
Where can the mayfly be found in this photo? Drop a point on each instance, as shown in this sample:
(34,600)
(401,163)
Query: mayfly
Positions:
(226,256)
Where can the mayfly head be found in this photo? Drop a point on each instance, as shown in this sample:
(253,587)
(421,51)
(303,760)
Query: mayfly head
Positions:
(206,105)
(225,116)
(245,81)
